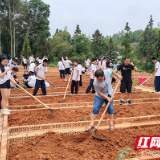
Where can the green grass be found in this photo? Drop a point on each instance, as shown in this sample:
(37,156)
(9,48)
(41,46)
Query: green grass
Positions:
(52,65)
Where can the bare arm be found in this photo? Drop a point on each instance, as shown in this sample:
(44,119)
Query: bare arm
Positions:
(77,75)
(155,71)
(93,74)
(105,97)
(4,73)
(117,75)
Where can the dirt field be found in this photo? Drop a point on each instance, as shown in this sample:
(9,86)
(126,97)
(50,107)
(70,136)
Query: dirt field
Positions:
(55,146)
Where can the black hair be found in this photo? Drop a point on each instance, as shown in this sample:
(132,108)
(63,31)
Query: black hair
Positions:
(16,60)
(2,57)
(154,58)
(79,63)
(99,59)
(99,73)
(126,58)
(15,69)
(8,57)
(60,59)
(76,60)
(45,60)
(94,59)
(30,73)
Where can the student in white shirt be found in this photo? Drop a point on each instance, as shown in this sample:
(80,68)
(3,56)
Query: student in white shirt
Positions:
(103,64)
(67,64)
(157,75)
(75,78)
(93,70)
(5,76)
(40,80)
(39,60)
(80,73)
(25,62)
(14,63)
(99,64)
(31,59)
(61,68)
(32,67)
(31,81)
(45,57)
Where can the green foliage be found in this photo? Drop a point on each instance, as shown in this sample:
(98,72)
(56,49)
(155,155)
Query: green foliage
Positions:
(26,50)
(126,42)
(124,154)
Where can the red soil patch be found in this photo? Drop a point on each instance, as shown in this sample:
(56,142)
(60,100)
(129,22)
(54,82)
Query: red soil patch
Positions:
(79,114)
(53,146)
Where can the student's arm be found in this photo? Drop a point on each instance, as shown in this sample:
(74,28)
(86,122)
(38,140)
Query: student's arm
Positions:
(93,74)
(135,68)
(102,94)
(117,75)
(4,73)
(155,71)
(77,75)
(14,82)
(70,62)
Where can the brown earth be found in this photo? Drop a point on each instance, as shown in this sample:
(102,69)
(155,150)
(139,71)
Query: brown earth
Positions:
(79,114)
(75,98)
(54,146)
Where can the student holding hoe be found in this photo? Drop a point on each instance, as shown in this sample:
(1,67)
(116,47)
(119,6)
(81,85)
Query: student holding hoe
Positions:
(104,91)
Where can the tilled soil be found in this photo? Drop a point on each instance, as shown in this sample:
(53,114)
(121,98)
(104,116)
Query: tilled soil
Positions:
(75,98)
(79,114)
(54,146)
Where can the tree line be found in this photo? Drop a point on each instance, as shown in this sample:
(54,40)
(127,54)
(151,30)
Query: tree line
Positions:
(24,29)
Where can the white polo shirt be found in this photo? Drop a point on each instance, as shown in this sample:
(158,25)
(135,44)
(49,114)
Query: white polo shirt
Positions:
(67,63)
(6,76)
(157,65)
(31,67)
(75,73)
(60,65)
(32,81)
(93,68)
(41,71)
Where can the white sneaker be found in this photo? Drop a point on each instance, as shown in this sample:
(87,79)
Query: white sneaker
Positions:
(5,112)
(8,110)
(65,80)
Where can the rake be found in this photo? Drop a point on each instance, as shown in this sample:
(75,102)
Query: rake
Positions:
(94,134)
(52,85)
(33,97)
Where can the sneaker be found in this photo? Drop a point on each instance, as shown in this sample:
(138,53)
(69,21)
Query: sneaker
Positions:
(129,102)
(65,80)
(156,92)
(5,112)
(7,109)
(122,102)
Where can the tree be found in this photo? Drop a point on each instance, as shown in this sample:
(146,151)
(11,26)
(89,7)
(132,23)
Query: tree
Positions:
(110,47)
(26,51)
(126,42)
(97,43)
(77,31)
(158,47)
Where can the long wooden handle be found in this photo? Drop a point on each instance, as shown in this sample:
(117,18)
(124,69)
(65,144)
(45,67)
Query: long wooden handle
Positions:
(108,105)
(49,82)
(67,87)
(144,82)
(30,94)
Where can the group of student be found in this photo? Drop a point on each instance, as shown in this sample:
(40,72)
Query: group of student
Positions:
(35,78)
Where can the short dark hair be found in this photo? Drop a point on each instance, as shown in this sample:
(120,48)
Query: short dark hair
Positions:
(79,63)
(94,59)
(31,73)
(154,58)
(126,58)
(15,69)
(76,60)
(99,73)
(45,60)
(16,60)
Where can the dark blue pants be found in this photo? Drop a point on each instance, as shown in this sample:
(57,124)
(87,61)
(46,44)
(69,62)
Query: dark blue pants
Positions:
(90,86)
(74,84)
(26,84)
(157,83)
(25,66)
(0,100)
(38,84)
(62,73)
(80,82)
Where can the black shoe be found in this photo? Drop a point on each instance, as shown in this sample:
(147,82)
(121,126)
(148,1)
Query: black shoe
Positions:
(129,102)
(122,102)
